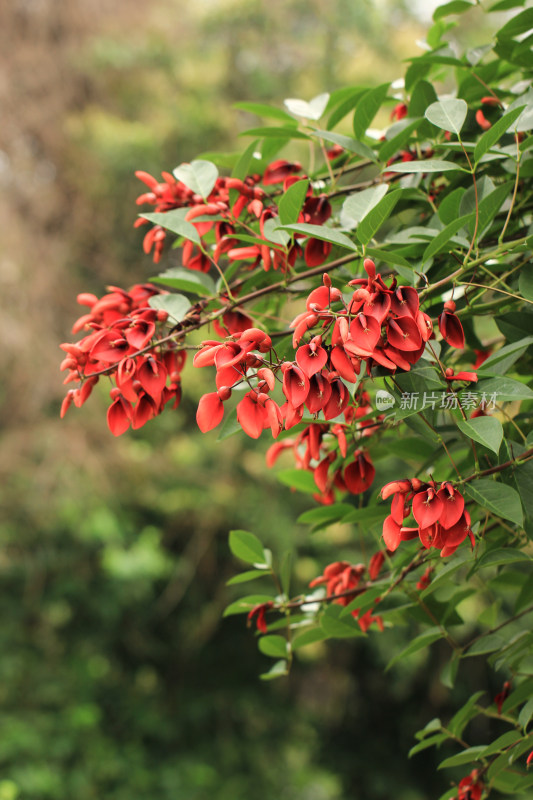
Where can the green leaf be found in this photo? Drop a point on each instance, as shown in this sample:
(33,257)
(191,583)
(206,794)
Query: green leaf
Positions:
(375,218)
(367,515)
(357,205)
(526,712)
(291,202)
(367,108)
(249,575)
(488,431)
(441,240)
(466,757)
(247,547)
(486,644)
(490,137)
(308,637)
(503,742)
(422,96)
(423,640)
(437,739)
(323,233)
(284,132)
(330,514)
(449,209)
(503,555)
(518,695)
(449,115)
(273,646)
(500,361)
(461,718)
(498,498)
(187,280)
(448,673)
(392,146)
(244,604)
(352,145)
(279,670)
(454,7)
(525,282)
(428,165)
(262,110)
(504,5)
(522,23)
(498,390)
(337,628)
(176,305)
(174,222)
(433,725)
(298,479)
(199,176)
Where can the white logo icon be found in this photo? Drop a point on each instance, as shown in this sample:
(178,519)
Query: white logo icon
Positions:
(384,400)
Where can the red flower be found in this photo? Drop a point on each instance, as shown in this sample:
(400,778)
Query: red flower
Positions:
(259,612)
(450,326)
(470,787)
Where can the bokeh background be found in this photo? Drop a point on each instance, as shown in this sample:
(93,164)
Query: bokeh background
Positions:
(118,677)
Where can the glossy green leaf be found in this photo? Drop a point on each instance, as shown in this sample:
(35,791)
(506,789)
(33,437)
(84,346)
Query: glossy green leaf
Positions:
(470,755)
(187,280)
(499,362)
(449,115)
(522,692)
(308,637)
(247,547)
(453,7)
(199,176)
(500,556)
(499,390)
(428,165)
(486,644)
(419,643)
(526,713)
(393,145)
(367,108)
(461,718)
(337,628)
(488,431)
(496,497)
(441,239)
(244,604)
(356,206)
(273,646)
(494,133)
(176,305)
(174,222)
(290,203)
(263,110)
(352,145)
(298,479)
(503,742)
(249,575)
(332,513)
(375,218)
(437,739)
(279,670)
(505,5)
(525,282)
(276,132)
(522,23)
(323,233)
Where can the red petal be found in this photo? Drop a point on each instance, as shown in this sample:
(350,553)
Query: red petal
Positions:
(427,508)
(391,534)
(210,412)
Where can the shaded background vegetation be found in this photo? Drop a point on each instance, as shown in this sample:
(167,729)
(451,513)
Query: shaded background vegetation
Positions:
(118,678)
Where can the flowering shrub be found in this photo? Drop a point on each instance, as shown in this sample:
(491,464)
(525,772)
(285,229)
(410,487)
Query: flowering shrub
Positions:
(369,308)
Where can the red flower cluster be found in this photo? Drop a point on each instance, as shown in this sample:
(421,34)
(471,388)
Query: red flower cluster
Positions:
(382,325)
(251,204)
(439,511)
(340,578)
(470,787)
(123,327)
